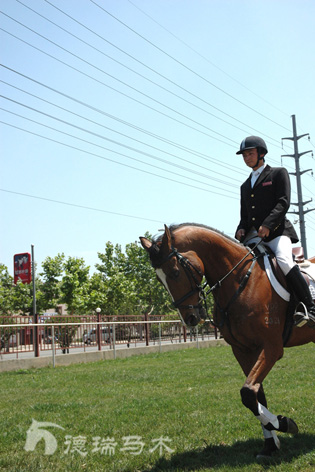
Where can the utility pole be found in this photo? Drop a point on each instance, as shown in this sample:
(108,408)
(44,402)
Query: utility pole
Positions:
(298,174)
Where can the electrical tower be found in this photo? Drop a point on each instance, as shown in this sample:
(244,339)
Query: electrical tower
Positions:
(298,174)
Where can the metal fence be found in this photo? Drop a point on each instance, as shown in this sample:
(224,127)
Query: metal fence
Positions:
(65,334)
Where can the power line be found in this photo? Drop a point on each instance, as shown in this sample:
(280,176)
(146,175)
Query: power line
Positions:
(126,136)
(146,66)
(111,76)
(111,160)
(110,140)
(118,80)
(141,75)
(142,130)
(128,96)
(204,58)
(60,202)
(185,66)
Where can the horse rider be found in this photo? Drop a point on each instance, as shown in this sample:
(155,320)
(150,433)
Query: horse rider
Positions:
(265,200)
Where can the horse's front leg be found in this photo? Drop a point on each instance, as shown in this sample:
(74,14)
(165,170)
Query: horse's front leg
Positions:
(249,392)
(256,365)
(272,442)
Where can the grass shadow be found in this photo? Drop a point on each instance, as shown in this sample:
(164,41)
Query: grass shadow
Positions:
(241,453)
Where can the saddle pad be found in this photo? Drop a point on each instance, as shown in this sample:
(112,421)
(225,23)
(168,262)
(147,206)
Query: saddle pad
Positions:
(281,291)
(307,270)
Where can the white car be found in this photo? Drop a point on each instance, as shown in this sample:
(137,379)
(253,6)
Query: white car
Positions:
(91,335)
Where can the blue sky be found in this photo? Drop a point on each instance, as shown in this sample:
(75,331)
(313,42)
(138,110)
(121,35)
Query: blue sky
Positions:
(120,116)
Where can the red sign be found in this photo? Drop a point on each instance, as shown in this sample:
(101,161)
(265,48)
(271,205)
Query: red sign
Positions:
(22,268)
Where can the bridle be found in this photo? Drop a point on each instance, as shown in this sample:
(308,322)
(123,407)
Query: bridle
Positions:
(195,286)
(190,271)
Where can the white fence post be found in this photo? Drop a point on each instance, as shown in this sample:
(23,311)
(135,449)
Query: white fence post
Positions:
(160,337)
(53,344)
(114,341)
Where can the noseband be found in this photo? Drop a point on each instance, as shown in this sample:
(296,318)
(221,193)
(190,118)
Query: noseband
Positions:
(190,271)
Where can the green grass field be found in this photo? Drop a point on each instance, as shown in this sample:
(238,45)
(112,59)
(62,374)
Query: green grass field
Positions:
(178,411)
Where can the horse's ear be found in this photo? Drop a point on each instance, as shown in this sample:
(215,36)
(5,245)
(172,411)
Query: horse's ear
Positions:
(166,245)
(146,243)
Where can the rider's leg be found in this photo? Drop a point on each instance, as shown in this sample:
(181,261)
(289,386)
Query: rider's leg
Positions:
(300,288)
(282,248)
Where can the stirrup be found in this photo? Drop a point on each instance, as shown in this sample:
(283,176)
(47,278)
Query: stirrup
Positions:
(301,316)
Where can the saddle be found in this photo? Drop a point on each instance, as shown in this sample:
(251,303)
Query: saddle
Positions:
(306,267)
(279,282)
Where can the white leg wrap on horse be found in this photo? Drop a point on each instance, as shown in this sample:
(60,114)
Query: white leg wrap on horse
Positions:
(271,434)
(266,417)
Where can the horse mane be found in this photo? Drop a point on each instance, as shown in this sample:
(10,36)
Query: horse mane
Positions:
(154,252)
(174,227)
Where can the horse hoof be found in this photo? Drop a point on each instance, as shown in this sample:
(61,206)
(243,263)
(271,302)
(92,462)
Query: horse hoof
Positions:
(264,455)
(287,425)
(292,427)
(269,447)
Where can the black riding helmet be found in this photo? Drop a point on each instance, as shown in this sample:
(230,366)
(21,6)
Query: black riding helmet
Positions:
(252,142)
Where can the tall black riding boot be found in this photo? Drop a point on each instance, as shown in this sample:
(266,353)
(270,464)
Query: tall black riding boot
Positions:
(305,311)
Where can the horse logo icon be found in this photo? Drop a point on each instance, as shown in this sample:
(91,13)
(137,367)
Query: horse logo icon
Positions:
(35,433)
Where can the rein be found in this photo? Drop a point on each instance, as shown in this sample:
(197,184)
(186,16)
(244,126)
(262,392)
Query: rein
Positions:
(251,251)
(242,285)
(196,287)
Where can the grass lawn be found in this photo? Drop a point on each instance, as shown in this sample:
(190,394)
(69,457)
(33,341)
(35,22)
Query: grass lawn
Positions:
(177,411)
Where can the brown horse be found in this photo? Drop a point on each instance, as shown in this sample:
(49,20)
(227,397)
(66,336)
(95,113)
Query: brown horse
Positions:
(250,314)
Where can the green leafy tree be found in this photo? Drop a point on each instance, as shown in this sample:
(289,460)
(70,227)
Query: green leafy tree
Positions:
(118,292)
(75,285)
(97,294)
(49,293)
(151,294)
(22,302)
(131,284)
(6,290)
(14,298)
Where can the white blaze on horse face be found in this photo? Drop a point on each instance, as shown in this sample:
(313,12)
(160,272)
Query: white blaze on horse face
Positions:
(162,277)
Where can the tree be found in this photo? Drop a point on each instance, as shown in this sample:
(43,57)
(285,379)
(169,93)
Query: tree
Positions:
(124,284)
(131,283)
(119,293)
(74,285)
(6,292)
(97,294)
(50,288)
(14,298)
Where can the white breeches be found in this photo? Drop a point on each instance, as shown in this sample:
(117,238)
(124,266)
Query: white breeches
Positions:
(280,246)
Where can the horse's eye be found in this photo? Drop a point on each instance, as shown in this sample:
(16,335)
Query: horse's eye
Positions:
(176,274)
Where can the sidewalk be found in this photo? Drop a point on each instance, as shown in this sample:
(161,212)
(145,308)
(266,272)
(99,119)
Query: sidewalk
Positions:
(26,360)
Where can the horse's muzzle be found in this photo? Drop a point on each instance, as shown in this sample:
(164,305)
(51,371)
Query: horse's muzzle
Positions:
(195,315)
